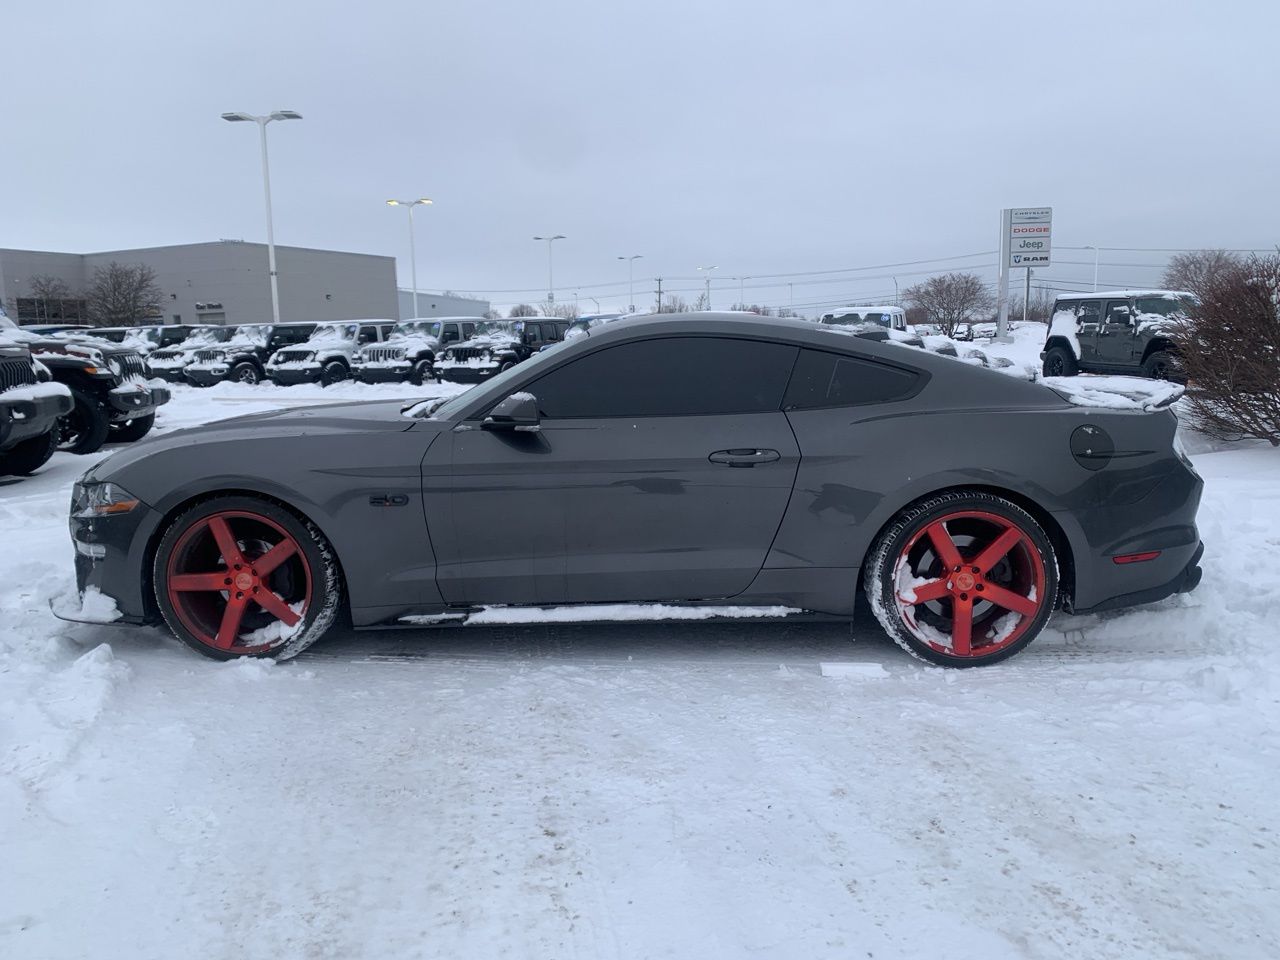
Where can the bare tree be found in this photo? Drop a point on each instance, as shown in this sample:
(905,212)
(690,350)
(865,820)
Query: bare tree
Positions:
(673,304)
(1194,270)
(123,295)
(1229,350)
(950,300)
(492,315)
(47,288)
(759,310)
(566,311)
(701,302)
(1039,307)
(523,310)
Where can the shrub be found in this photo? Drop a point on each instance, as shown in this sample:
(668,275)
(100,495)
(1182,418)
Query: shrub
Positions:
(1229,348)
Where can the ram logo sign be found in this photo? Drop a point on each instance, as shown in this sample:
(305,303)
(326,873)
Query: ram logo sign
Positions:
(1030,229)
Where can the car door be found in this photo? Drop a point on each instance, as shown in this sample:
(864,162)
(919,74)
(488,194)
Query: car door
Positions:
(1088,330)
(1115,337)
(660,472)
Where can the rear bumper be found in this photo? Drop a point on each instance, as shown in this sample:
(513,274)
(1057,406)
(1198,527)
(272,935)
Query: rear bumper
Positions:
(23,419)
(1186,580)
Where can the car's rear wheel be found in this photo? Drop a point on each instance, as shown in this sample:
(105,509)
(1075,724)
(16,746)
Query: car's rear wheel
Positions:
(85,428)
(1161,365)
(963,578)
(1059,362)
(245,372)
(242,577)
(131,430)
(29,455)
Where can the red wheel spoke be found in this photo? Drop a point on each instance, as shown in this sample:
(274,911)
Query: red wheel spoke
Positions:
(226,542)
(998,549)
(946,547)
(229,629)
(269,602)
(933,590)
(195,582)
(962,627)
(277,555)
(1010,600)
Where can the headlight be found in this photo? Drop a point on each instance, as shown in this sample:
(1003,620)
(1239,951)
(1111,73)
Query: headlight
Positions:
(93,499)
(488,354)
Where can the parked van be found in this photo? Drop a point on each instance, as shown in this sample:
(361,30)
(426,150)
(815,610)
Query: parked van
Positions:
(891,318)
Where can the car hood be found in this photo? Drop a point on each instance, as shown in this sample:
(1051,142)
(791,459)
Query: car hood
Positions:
(319,422)
(489,342)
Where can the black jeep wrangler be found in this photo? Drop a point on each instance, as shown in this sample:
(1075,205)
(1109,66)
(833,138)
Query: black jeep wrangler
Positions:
(1125,331)
(29,410)
(112,398)
(409,352)
(243,356)
(497,345)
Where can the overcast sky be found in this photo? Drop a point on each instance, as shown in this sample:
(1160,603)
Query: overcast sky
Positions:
(763,138)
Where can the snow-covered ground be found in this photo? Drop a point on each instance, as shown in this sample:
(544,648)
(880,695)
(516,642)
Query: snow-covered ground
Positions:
(647,790)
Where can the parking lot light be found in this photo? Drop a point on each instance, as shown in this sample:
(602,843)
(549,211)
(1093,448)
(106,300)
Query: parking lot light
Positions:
(413,256)
(262,122)
(631,264)
(708,270)
(551,286)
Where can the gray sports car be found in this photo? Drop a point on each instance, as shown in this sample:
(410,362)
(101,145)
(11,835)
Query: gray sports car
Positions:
(700,459)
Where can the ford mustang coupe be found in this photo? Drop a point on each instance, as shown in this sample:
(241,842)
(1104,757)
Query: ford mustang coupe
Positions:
(700,459)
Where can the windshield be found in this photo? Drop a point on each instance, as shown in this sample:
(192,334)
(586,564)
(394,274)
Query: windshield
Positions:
(845,319)
(1165,306)
(417,328)
(253,334)
(334,331)
(510,328)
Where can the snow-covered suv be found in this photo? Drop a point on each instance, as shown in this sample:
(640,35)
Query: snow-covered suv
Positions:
(497,345)
(29,407)
(1121,331)
(242,358)
(411,350)
(327,355)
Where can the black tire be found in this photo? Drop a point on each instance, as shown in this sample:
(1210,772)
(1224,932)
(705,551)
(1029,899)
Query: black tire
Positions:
(335,371)
(1160,365)
(245,372)
(311,574)
(1060,362)
(86,427)
(128,431)
(906,561)
(421,372)
(506,366)
(30,455)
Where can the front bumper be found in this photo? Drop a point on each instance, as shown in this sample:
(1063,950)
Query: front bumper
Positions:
(110,556)
(22,419)
(291,376)
(386,372)
(169,374)
(465,372)
(140,400)
(206,376)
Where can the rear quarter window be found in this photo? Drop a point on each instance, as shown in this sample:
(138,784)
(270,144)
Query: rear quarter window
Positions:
(831,380)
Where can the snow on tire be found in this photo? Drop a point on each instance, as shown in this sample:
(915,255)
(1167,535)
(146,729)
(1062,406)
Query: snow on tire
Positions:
(962,578)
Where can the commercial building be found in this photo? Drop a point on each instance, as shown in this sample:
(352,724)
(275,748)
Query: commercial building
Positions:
(440,305)
(226,282)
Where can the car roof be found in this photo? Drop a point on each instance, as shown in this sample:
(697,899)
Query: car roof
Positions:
(1116,294)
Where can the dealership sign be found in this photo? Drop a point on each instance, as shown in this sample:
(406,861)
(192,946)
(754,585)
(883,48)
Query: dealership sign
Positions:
(1029,231)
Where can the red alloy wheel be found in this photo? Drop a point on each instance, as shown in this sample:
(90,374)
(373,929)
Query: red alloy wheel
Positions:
(237,576)
(969,584)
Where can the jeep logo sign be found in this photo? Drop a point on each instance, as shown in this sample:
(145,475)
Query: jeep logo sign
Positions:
(1030,229)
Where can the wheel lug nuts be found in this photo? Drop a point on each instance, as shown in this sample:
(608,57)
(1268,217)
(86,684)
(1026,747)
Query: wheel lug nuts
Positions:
(239,595)
(976,570)
(964,596)
(227,581)
(979,588)
(957,570)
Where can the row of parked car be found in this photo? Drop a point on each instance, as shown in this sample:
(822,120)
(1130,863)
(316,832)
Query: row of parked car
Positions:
(64,390)
(458,349)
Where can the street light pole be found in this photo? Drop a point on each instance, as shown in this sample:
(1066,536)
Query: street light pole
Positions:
(631,274)
(1095,266)
(413,254)
(708,270)
(551,284)
(266,189)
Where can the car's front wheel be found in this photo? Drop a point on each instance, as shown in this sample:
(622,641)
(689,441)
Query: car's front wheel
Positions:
(421,372)
(29,455)
(962,579)
(241,577)
(245,372)
(131,430)
(1161,365)
(335,371)
(86,427)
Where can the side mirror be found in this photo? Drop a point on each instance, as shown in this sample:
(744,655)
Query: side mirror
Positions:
(517,412)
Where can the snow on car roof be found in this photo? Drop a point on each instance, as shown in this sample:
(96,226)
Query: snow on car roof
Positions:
(1103,294)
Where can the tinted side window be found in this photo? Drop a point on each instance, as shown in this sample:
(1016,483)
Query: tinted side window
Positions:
(468,329)
(450,333)
(1118,312)
(1090,312)
(828,380)
(673,377)
(532,332)
(367,335)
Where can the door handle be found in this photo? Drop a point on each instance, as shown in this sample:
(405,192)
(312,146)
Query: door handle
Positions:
(744,457)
